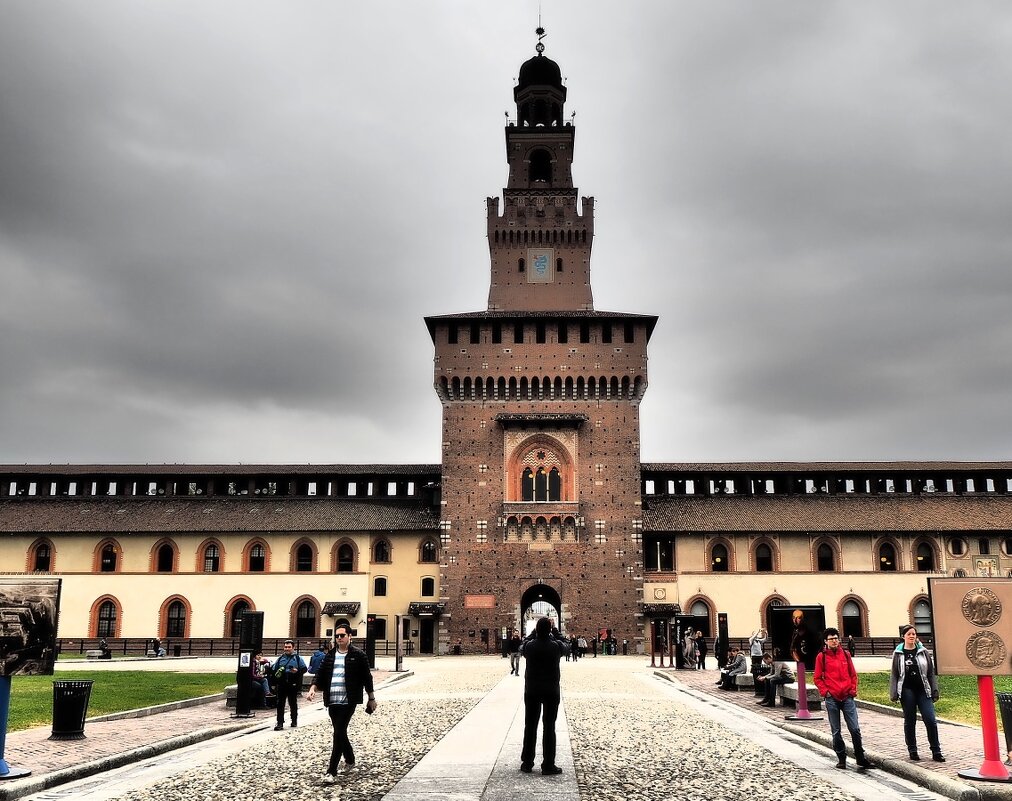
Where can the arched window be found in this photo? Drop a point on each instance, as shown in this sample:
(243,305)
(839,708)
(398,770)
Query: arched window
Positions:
(235,617)
(922,616)
(257,558)
(718,559)
(379,628)
(1006,545)
(107,559)
(305,620)
(540,167)
(345,558)
(381,551)
(166,558)
(304,559)
(379,586)
(925,558)
(957,546)
(212,558)
(700,609)
(763,558)
(428,587)
(554,485)
(825,558)
(105,621)
(984,546)
(541,485)
(42,557)
(852,619)
(527,485)
(886,557)
(428,551)
(175,620)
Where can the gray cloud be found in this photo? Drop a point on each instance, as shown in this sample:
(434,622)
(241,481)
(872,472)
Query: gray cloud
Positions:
(220,226)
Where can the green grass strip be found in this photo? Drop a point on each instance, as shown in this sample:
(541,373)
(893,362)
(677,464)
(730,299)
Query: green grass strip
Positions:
(958,698)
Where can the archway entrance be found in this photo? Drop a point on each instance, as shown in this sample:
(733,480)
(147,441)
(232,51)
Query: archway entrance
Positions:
(539,600)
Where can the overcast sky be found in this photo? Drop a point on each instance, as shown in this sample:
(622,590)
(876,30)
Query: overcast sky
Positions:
(221,223)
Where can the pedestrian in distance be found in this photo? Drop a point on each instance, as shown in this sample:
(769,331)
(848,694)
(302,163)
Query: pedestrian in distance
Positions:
(836,679)
(515,641)
(542,695)
(912,682)
(288,671)
(756,647)
(344,678)
(700,650)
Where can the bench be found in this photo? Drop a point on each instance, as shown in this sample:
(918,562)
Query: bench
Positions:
(744,680)
(98,654)
(789,696)
(232,690)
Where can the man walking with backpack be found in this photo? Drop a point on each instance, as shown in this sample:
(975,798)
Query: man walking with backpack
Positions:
(288,671)
(836,679)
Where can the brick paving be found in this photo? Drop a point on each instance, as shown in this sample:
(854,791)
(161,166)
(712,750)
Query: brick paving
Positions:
(881,731)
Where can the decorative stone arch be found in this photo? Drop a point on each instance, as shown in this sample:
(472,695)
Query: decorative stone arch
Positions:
(711,607)
(336,564)
(32,556)
(293,558)
(863,616)
(96,607)
(877,555)
(163,617)
(728,546)
(774,554)
(247,554)
(229,612)
(540,451)
(375,550)
(772,600)
(100,548)
(833,544)
(931,545)
(155,556)
(202,552)
(294,621)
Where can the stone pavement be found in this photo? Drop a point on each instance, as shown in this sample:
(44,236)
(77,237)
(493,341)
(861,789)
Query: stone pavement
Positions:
(478,756)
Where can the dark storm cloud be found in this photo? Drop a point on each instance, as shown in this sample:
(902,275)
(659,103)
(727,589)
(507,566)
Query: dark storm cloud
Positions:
(221,224)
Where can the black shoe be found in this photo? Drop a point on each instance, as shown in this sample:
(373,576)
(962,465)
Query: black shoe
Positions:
(551,770)
(526,767)
(279,727)
(862,762)
(914,756)
(294,724)
(841,764)
(938,757)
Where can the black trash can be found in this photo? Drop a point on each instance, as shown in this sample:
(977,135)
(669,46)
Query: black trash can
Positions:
(70,706)
(1005,707)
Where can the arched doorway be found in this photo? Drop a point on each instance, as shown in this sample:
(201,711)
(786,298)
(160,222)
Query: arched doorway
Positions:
(539,600)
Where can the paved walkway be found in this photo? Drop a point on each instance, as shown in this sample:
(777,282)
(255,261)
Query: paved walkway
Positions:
(477,758)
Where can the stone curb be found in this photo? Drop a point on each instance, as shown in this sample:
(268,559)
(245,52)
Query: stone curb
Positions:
(154,710)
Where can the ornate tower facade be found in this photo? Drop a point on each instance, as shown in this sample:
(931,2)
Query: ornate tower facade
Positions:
(540,394)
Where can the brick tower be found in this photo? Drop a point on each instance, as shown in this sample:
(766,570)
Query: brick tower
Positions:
(540,396)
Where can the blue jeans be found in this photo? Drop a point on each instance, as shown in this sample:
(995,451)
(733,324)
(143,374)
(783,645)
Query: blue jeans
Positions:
(911,701)
(849,710)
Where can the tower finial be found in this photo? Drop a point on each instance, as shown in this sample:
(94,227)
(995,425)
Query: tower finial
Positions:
(540,31)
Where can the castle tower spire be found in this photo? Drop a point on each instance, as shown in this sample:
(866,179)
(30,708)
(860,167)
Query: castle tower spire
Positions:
(541,240)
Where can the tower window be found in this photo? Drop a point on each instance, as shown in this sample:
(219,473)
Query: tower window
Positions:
(521,265)
(563,333)
(518,334)
(451,335)
(558,265)
(584,333)
(540,171)
(606,333)
(630,333)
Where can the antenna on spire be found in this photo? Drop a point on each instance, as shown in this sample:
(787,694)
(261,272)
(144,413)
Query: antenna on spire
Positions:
(540,31)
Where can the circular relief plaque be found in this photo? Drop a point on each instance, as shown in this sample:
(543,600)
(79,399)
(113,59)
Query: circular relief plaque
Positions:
(981,607)
(985,649)
(660,593)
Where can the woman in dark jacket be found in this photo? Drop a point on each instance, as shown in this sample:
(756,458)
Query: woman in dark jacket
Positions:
(342,692)
(913,683)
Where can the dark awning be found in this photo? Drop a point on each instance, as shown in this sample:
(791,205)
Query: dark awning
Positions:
(341,608)
(423,609)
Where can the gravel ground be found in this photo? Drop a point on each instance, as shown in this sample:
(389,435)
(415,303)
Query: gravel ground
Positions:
(630,741)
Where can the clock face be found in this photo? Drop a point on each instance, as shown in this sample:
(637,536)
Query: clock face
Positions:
(660,593)
(542,265)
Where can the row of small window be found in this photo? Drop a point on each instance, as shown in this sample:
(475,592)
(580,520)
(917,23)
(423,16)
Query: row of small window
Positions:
(255,558)
(659,555)
(541,330)
(379,586)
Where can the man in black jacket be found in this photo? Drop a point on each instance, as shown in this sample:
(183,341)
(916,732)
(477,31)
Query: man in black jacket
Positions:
(542,692)
(342,678)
